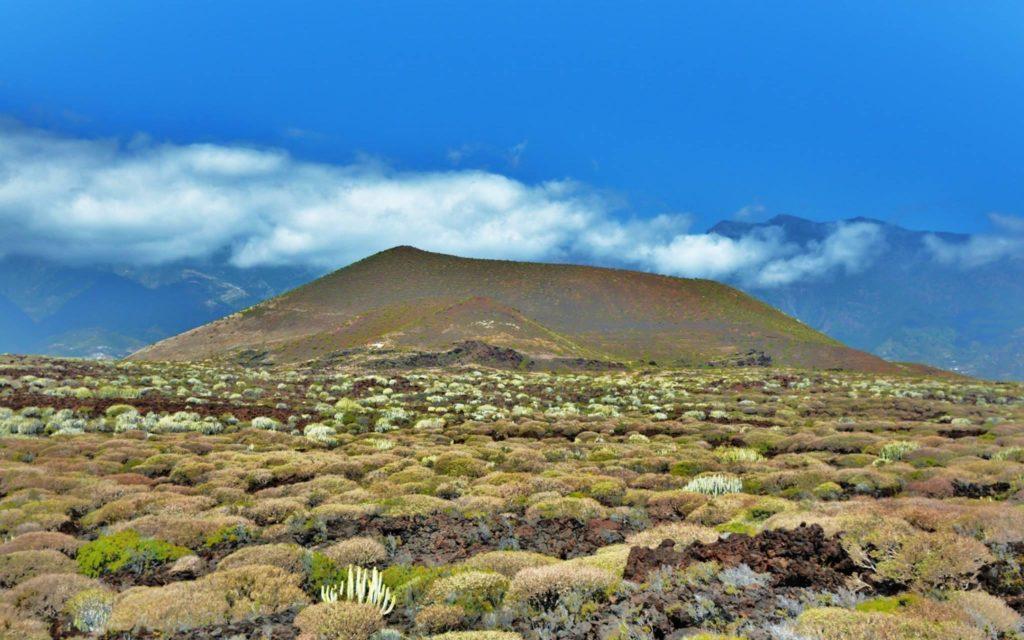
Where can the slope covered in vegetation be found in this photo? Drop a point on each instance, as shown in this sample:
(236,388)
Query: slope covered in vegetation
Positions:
(201,501)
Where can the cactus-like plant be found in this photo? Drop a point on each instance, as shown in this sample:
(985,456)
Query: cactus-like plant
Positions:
(897,450)
(714,485)
(365,586)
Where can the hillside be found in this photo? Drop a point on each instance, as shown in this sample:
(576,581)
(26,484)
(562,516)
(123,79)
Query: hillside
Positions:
(15,326)
(946,315)
(407,298)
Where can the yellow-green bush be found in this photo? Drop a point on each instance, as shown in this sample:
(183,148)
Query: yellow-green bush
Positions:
(841,624)
(15,625)
(611,559)
(20,566)
(477,635)
(360,551)
(475,591)
(508,563)
(543,587)
(682,533)
(218,598)
(582,509)
(416,505)
(438,618)
(40,540)
(45,596)
(338,621)
(288,556)
(924,560)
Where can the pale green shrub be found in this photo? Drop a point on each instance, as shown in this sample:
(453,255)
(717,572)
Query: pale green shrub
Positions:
(263,422)
(90,609)
(321,434)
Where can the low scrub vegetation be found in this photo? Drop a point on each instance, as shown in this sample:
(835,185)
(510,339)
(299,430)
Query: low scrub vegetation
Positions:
(334,502)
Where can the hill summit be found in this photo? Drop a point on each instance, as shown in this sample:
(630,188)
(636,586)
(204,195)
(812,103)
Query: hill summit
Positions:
(406,298)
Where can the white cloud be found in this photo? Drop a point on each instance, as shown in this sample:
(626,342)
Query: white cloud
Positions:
(515,154)
(144,202)
(764,257)
(148,203)
(976,251)
(850,248)
(749,212)
(1007,223)
(979,250)
(713,256)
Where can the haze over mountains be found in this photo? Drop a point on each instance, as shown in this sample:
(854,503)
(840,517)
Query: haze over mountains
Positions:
(902,303)
(112,310)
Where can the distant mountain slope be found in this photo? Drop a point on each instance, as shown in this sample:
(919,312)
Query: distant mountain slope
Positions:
(906,305)
(89,311)
(407,297)
(16,327)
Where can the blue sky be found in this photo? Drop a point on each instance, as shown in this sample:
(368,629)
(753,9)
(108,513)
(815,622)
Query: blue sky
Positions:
(614,133)
(907,111)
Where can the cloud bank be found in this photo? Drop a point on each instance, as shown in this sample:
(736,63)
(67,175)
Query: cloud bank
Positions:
(140,202)
(151,203)
(981,249)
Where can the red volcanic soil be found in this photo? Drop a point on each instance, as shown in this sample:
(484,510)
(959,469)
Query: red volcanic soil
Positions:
(413,299)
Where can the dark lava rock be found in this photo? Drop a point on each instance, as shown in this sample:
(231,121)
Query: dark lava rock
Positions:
(801,557)
(442,538)
(974,490)
(956,434)
(1005,576)
(752,358)
(468,352)
(488,355)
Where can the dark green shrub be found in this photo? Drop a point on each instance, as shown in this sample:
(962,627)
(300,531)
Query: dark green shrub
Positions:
(321,571)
